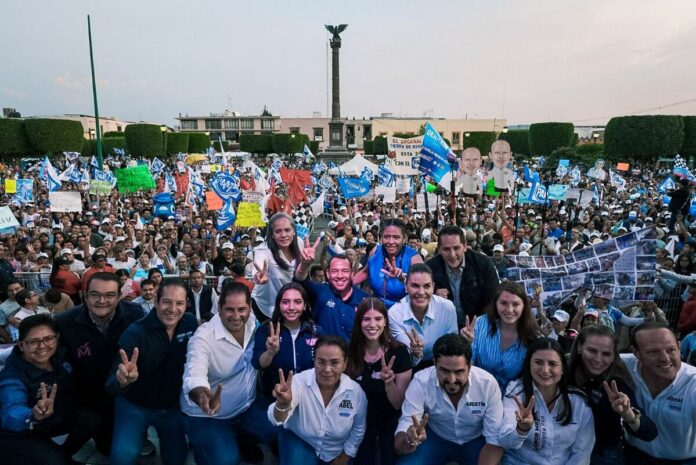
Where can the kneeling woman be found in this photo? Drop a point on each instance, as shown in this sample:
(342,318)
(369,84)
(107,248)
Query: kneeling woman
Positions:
(322,410)
(544,420)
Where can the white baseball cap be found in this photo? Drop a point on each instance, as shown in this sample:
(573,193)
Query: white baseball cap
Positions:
(561,315)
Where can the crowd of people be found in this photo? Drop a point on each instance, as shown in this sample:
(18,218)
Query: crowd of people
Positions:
(392,336)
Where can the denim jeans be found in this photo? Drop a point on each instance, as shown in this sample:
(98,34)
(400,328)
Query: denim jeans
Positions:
(130,426)
(294,450)
(438,451)
(214,441)
(608,456)
(637,456)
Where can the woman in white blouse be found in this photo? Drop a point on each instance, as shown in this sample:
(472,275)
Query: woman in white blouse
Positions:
(544,420)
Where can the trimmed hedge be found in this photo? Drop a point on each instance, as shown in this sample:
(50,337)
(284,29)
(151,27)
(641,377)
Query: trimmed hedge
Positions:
(518,140)
(199,142)
(177,142)
(111,143)
(89,148)
(255,143)
(314,146)
(13,138)
(482,140)
(288,143)
(225,145)
(369,147)
(544,138)
(113,134)
(145,140)
(688,148)
(643,138)
(379,145)
(54,135)
(589,149)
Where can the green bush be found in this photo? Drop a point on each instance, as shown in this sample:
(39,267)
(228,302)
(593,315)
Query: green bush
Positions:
(255,143)
(225,145)
(199,142)
(589,149)
(111,143)
(544,138)
(54,136)
(314,146)
(13,138)
(518,140)
(688,148)
(145,140)
(481,140)
(89,148)
(177,142)
(379,145)
(561,153)
(405,135)
(288,143)
(369,147)
(643,138)
(113,134)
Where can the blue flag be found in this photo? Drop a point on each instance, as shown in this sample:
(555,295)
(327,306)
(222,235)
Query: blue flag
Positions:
(386,177)
(537,193)
(157,166)
(119,152)
(666,185)
(575,176)
(100,175)
(435,155)
(529,175)
(171,183)
(94,162)
(354,187)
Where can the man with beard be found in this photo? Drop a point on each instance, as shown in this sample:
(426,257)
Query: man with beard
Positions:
(90,333)
(421,317)
(334,302)
(465,433)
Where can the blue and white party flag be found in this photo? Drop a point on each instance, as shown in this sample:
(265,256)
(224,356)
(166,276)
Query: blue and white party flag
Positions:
(354,187)
(71,156)
(170,182)
(74,175)
(84,177)
(100,175)
(529,175)
(367,173)
(386,177)
(119,152)
(666,184)
(94,162)
(435,157)
(306,152)
(538,193)
(157,166)
(52,177)
(617,181)
(575,176)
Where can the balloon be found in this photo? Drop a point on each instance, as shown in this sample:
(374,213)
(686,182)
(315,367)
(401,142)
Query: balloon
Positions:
(430,187)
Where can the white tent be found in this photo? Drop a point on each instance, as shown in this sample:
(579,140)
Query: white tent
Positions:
(354,167)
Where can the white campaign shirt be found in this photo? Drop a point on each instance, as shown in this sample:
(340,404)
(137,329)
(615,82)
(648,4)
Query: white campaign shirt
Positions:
(548,442)
(673,411)
(338,428)
(215,357)
(479,411)
(265,294)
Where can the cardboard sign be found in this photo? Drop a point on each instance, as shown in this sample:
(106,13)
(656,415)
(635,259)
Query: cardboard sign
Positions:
(249,214)
(301,231)
(134,179)
(622,166)
(212,201)
(100,187)
(252,197)
(65,202)
(7,218)
(10,186)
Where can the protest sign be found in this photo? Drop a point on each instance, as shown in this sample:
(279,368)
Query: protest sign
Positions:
(388,194)
(582,196)
(7,218)
(212,201)
(252,197)
(403,156)
(301,231)
(215,168)
(403,185)
(490,188)
(249,214)
(100,187)
(420,202)
(64,202)
(434,157)
(134,179)
(622,166)
(25,191)
(10,186)
(622,268)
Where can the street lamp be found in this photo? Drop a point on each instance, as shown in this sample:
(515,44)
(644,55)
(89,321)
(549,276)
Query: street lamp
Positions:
(91,133)
(505,129)
(595,136)
(164,139)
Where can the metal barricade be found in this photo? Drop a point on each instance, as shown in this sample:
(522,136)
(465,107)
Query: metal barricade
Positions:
(670,301)
(34,281)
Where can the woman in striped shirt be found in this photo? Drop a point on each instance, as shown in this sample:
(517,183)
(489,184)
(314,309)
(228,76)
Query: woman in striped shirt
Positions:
(501,336)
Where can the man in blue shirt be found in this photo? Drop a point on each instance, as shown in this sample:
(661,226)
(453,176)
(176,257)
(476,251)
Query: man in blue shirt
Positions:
(334,302)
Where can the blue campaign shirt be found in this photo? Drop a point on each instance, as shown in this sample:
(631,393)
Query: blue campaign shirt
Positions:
(503,365)
(333,314)
(297,358)
(390,290)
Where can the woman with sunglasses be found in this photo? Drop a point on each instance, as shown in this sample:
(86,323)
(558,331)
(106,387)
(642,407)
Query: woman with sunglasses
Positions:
(35,389)
(596,368)
(389,262)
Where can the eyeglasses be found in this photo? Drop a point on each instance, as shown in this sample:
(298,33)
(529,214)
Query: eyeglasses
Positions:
(96,296)
(34,343)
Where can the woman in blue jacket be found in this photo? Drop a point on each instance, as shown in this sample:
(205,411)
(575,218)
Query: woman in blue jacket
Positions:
(287,340)
(35,399)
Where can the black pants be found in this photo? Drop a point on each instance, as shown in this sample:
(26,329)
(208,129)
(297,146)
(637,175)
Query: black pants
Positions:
(377,447)
(260,316)
(637,456)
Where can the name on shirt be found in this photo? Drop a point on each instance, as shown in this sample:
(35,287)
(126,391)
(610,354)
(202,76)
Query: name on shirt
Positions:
(184,336)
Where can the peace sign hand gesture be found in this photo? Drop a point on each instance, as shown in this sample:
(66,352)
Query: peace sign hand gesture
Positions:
(391,270)
(127,371)
(44,407)
(524,415)
(261,276)
(620,402)
(309,253)
(387,373)
(208,401)
(416,343)
(283,391)
(415,434)
(469,329)
(273,339)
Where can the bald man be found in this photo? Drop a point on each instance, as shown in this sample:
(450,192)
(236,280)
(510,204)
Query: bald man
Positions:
(501,155)
(468,179)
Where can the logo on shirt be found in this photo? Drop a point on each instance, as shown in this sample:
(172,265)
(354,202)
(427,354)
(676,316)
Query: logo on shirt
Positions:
(311,341)
(345,408)
(84,350)
(331,304)
(183,337)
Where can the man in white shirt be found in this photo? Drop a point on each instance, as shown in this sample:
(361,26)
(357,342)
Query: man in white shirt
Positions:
(666,392)
(146,300)
(219,390)
(76,266)
(421,317)
(464,411)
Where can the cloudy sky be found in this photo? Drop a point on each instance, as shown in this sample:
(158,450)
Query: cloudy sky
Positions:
(526,61)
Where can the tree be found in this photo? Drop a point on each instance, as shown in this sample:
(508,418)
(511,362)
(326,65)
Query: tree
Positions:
(518,140)
(314,146)
(379,145)
(111,143)
(225,146)
(53,136)
(113,134)
(688,148)
(177,142)
(544,138)
(13,138)
(288,143)
(199,142)
(255,143)
(145,140)
(643,138)
(369,147)
(481,140)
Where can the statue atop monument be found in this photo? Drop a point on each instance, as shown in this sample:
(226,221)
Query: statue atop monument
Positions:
(336,31)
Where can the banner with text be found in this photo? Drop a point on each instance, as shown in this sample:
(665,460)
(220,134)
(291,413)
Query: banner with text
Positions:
(403,156)
(65,202)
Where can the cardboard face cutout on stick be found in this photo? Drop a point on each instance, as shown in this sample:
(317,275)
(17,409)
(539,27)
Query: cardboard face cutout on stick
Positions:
(501,172)
(597,172)
(468,179)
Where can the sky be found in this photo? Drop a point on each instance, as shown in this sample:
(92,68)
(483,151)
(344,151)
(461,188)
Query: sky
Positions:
(525,61)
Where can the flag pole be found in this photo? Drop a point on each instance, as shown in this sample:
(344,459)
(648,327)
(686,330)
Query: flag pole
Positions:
(94,93)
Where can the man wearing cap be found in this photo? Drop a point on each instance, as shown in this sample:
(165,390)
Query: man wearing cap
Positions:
(222,264)
(99,265)
(499,261)
(462,275)
(76,266)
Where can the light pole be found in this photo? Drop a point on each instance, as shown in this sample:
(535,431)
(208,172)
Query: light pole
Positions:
(595,136)
(164,139)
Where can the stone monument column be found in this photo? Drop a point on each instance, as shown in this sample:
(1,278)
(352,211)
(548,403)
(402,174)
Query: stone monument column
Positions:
(336,140)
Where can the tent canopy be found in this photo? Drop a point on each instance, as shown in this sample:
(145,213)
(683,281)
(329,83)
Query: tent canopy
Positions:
(354,167)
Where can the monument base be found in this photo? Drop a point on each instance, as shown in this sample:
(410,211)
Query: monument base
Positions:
(336,154)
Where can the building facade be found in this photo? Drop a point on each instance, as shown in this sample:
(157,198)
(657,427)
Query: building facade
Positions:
(229,125)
